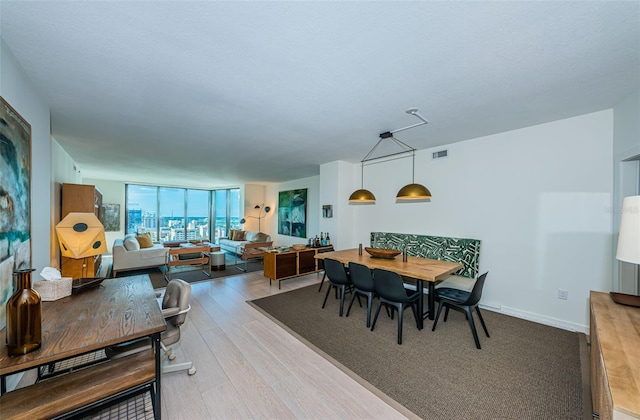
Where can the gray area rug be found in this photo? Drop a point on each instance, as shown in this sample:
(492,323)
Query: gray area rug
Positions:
(524,371)
(190,274)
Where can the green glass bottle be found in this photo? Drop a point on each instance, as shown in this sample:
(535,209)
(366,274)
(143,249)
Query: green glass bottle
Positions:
(24,316)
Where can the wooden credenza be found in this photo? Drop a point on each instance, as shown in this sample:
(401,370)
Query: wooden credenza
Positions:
(83,199)
(615,358)
(280,266)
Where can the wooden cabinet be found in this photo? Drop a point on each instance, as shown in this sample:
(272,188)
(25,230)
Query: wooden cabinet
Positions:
(280,266)
(81,198)
(615,366)
(84,199)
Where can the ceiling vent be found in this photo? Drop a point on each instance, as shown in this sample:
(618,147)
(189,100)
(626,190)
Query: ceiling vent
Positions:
(440,154)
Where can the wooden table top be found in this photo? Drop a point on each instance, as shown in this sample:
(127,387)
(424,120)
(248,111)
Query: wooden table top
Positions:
(120,310)
(415,267)
(618,329)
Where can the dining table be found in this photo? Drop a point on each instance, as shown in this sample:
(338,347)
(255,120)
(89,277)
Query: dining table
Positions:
(423,270)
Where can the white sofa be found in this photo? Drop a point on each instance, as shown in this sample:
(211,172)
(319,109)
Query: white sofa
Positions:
(127,255)
(237,247)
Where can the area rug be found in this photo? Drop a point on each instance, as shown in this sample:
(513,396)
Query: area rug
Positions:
(190,274)
(524,371)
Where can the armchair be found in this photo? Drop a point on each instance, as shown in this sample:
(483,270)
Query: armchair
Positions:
(175,305)
(249,251)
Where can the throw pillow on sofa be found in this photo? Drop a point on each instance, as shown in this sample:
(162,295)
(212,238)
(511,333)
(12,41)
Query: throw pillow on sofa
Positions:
(145,240)
(238,235)
(131,243)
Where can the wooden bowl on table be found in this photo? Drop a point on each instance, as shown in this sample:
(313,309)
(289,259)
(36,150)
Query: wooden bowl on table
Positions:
(298,247)
(384,253)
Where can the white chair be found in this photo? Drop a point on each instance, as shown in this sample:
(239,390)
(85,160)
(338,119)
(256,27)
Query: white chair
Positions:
(175,305)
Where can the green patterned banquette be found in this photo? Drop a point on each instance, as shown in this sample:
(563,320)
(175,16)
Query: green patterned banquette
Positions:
(462,250)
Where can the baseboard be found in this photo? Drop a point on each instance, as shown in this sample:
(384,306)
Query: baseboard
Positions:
(540,319)
(529,316)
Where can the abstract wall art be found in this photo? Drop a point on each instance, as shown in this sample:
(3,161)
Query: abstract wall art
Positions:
(15,199)
(111,217)
(292,213)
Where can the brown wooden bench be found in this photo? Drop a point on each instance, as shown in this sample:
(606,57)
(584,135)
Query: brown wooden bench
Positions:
(88,387)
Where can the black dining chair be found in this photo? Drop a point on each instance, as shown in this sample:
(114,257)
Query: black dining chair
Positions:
(461,299)
(362,285)
(338,278)
(391,292)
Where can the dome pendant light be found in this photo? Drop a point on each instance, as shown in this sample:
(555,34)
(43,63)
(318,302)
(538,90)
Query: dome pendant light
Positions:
(409,192)
(413,191)
(362,195)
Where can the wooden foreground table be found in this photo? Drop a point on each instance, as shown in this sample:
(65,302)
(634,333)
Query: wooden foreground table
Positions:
(119,310)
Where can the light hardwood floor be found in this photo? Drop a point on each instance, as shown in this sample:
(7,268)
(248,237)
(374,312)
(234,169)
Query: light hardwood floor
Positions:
(251,368)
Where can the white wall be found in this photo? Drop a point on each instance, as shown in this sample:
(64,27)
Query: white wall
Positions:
(254,194)
(313,209)
(538,198)
(17,90)
(336,180)
(626,179)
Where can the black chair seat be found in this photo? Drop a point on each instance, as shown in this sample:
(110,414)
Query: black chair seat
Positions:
(463,300)
(454,295)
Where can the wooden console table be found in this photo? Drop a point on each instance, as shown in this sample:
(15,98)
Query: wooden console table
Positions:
(615,360)
(117,311)
(280,266)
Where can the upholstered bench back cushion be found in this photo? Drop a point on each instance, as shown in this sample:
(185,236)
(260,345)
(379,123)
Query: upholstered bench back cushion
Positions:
(462,250)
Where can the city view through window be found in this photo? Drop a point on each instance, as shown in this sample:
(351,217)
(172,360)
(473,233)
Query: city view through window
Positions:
(175,214)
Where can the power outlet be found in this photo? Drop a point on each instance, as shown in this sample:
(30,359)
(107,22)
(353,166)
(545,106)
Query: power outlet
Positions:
(563,294)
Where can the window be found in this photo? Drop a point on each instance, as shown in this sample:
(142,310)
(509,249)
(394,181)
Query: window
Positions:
(176,214)
(198,214)
(142,209)
(226,211)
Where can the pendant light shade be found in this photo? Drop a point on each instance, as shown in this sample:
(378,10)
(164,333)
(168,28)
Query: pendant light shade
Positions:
(362,196)
(409,192)
(413,192)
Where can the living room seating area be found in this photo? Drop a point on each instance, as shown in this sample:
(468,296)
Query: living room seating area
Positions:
(135,252)
(239,239)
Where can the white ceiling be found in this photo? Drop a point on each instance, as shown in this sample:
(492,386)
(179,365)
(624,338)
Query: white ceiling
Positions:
(208,94)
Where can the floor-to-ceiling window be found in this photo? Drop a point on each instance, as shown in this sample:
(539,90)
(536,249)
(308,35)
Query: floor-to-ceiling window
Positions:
(172,214)
(198,214)
(226,211)
(142,209)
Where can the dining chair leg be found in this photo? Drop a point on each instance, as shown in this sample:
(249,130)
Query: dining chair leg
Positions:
(369,307)
(322,281)
(326,296)
(400,312)
(343,290)
(473,326)
(375,318)
(353,297)
(414,309)
(482,322)
(435,321)
(446,313)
